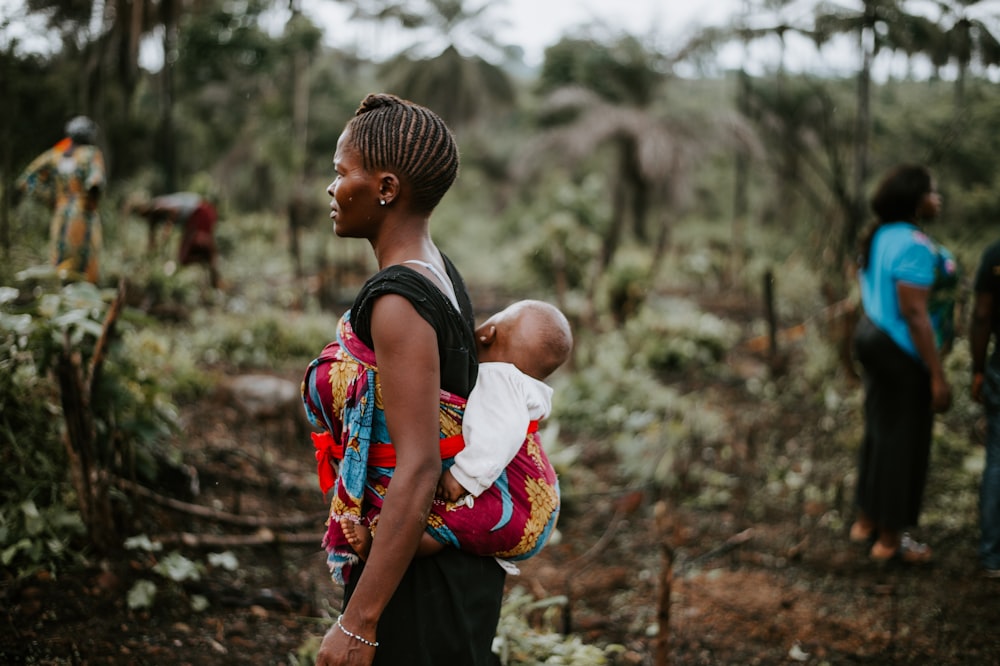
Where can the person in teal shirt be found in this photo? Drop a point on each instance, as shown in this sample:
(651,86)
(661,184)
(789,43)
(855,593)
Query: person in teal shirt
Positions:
(907,292)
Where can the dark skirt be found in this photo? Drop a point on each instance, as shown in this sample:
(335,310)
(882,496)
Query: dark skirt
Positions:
(445,611)
(895,452)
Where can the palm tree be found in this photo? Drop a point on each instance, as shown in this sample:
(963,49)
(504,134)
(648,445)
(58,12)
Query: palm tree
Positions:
(965,40)
(648,163)
(457,82)
(878,25)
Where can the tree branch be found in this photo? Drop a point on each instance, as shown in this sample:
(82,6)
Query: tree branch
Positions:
(263,522)
(262,537)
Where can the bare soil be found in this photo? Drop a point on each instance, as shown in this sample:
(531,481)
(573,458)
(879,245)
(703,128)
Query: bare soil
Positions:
(745,587)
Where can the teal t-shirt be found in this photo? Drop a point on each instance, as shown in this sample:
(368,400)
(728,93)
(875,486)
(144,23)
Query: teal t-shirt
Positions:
(901,253)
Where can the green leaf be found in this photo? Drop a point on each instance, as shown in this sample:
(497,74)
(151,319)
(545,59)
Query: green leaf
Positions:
(142,594)
(7,556)
(33,521)
(19,324)
(143,542)
(225,560)
(177,568)
(48,305)
(8,294)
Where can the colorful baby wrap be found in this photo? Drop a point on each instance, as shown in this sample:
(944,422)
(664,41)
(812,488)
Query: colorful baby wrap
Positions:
(512,519)
(943,296)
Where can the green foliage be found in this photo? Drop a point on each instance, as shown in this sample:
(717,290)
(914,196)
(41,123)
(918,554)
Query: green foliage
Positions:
(655,430)
(131,409)
(461,89)
(672,334)
(271,338)
(623,72)
(559,238)
(34,501)
(225,43)
(33,538)
(627,286)
(527,634)
(175,569)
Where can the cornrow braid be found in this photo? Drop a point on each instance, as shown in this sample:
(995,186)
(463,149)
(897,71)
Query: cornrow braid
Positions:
(397,135)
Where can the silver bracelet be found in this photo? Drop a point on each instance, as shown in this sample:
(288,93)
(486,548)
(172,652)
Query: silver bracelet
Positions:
(355,636)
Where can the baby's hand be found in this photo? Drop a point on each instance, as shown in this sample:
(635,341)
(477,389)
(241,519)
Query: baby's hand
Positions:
(450,489)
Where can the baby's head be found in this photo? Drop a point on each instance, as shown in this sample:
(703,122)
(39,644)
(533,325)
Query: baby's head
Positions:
(532,335)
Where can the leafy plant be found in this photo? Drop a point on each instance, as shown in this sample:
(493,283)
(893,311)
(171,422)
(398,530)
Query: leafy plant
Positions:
(34,538)
(673,334)
(519,642)
(48,336)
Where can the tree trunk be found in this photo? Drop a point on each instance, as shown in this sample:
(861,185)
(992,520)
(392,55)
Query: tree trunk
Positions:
(741,185)
(861,133)
(7,176)
(167,140)
(300,128)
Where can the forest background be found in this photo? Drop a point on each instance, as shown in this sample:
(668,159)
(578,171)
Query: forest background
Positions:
(699,229)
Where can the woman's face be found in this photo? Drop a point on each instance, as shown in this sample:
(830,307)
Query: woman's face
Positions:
(354,193)
(930,205)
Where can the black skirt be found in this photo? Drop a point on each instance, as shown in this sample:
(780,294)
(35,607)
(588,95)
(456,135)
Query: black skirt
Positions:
(895,452)
(445,611)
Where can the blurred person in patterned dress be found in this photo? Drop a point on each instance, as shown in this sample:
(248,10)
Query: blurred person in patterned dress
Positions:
(71,177)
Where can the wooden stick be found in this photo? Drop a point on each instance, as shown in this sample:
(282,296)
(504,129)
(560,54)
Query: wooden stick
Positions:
(662,653)
(732,543)
(216,515)
(262,537)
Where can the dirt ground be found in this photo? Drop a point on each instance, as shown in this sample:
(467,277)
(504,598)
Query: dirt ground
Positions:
(775,589)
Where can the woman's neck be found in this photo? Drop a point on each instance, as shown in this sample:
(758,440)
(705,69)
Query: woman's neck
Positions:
(403,247)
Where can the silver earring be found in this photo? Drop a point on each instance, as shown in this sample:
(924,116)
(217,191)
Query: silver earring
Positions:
(381,202)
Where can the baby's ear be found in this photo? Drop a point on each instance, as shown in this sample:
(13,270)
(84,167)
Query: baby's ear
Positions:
(487,337)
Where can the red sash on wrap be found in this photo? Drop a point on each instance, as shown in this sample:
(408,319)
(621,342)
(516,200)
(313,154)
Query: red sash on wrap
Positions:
(380,454)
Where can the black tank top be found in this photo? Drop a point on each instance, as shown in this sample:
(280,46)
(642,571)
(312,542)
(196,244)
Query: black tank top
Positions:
(455,336)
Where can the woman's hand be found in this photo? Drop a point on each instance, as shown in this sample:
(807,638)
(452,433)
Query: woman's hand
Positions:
(977,387)
(940,395)
(409,375)
(339,649)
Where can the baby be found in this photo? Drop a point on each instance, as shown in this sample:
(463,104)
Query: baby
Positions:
(502,470)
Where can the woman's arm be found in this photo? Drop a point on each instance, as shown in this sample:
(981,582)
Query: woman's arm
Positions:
(409,375)
(913,306)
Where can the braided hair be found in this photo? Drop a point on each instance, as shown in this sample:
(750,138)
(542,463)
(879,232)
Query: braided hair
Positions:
(397,135)
(896,199)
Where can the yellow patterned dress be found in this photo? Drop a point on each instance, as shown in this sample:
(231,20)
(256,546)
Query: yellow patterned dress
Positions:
(72,177)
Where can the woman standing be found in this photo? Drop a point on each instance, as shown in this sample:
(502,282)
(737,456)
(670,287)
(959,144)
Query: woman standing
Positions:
(402,365)
(908,319)
(72,171)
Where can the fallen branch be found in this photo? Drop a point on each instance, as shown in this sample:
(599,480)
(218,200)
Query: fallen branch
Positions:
(579,564)
(833,312)
(626,505)
(263,537)
(220,516)
(732,543)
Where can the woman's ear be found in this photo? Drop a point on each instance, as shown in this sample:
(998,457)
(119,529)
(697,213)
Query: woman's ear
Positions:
(388,187)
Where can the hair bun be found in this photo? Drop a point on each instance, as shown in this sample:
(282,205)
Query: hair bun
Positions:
(376,101)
